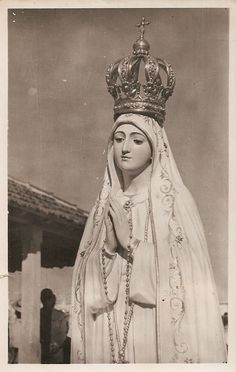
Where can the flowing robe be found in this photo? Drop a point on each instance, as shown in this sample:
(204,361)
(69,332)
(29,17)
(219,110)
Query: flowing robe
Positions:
(176,316)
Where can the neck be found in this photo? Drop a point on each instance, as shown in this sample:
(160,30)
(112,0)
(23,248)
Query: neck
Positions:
(135,183)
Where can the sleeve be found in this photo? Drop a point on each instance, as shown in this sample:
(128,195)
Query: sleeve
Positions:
(96,298)
(144,275)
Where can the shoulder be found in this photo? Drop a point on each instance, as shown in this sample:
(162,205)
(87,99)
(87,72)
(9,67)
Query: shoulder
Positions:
(58,315)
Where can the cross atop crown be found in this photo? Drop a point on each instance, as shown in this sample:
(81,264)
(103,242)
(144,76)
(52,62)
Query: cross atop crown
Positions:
(141,27)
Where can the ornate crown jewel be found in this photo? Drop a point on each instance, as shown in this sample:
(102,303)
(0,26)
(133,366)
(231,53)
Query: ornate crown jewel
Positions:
(130,95)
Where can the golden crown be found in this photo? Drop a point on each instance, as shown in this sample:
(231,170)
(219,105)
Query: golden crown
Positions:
(129,94)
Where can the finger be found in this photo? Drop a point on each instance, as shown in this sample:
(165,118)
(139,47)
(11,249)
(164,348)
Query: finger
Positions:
(119,207)
(113,209)
(112,213)
(108,223)
(109,220)
(119,210)
(116,208)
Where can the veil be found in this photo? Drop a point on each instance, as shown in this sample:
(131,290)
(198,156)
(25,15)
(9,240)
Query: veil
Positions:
(188,322)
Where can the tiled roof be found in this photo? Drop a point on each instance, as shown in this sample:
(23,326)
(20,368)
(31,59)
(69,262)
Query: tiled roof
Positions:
(34,200)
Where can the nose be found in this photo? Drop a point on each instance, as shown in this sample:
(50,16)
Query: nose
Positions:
(126,147)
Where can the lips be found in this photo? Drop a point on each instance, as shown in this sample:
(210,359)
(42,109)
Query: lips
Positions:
(125,157)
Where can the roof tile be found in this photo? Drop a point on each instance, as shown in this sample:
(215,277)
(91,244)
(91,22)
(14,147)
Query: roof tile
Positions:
(33,199)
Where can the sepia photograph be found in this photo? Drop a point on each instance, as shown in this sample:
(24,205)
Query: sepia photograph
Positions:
(117,184)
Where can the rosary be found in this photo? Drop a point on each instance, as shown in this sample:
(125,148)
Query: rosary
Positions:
(128,308)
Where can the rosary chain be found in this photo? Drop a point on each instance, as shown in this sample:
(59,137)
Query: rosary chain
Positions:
(128,308)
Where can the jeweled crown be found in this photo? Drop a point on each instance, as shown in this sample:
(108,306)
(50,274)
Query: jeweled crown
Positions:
(129,94)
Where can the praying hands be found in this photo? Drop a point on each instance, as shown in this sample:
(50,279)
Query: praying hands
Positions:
(117,227)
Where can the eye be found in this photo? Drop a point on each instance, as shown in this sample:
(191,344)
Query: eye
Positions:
(118,139)
(138,141)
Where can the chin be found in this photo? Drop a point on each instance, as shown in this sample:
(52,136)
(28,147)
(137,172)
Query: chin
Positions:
(121,165)
(126,167)
(130,171)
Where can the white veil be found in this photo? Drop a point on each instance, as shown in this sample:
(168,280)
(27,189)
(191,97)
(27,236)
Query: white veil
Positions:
(188,325)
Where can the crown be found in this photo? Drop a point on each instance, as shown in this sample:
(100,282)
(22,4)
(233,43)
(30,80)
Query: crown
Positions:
(130,95)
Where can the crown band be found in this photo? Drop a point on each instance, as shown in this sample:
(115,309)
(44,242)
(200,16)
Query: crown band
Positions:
(140,107)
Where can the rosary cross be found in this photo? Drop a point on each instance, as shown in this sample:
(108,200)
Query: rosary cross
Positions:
(141,26)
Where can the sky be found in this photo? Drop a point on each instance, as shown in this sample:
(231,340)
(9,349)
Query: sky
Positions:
(60,113)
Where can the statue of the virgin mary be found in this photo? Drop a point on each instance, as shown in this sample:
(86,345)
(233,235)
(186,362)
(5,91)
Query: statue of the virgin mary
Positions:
(143,289)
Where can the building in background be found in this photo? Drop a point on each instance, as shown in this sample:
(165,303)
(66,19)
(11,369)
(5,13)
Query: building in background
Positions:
(44,233)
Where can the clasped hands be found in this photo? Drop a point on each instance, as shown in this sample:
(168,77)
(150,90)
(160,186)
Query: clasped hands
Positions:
(117,227)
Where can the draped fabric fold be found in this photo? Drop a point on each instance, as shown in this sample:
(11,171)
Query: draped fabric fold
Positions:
(172,287)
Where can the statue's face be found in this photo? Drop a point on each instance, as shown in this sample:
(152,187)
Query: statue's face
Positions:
(132,151)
